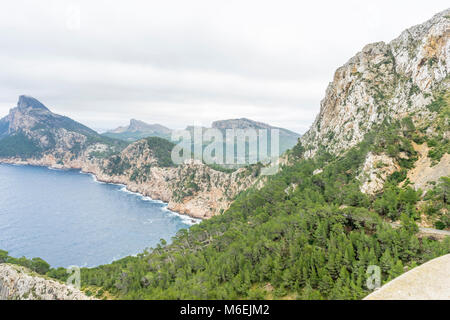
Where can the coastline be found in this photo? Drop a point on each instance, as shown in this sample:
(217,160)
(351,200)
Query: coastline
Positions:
(194,219)
(184,217)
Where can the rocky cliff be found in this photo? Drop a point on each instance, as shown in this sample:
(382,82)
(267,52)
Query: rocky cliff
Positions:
(32,134)
(402,83)
(429,281)
(383,82)
(18,283)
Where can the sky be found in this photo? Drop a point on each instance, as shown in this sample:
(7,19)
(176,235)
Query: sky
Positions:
(182,63)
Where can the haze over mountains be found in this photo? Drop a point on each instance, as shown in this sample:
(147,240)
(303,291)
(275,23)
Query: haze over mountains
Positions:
(139,129)
(377,153)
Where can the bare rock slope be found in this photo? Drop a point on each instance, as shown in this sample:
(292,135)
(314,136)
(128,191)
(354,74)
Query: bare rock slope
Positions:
(383,81)
(18,283)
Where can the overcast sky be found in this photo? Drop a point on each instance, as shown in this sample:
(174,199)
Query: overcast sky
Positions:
(188,61)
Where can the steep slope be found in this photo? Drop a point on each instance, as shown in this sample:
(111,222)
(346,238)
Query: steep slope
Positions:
(19,283)
(191,188)
(429,281)
(287,138)
(310,232)
(404,83)
(138,130)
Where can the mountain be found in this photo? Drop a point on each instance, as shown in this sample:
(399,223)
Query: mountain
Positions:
(288,138)
(32,130)
(137,130)
(317,228)
(404,83)
(19,283)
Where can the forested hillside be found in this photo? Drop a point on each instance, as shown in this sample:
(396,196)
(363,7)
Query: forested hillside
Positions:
(303,235)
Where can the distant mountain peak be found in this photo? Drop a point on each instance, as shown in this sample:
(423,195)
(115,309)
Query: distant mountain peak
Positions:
(28,102)
(138,125)
(138,129)
(245,123)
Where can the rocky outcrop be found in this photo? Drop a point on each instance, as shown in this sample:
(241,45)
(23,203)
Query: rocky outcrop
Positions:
(55,141)
(141,126)
(383,82)
(18,283)
(429,281)
(46,129)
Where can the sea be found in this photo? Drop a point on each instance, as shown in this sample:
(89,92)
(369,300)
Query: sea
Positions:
(68,218)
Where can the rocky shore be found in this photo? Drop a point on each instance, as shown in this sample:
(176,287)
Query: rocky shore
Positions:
(19,283)
(213,194)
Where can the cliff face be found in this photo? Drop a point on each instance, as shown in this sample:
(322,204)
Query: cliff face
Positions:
(32,130)
(18,283)
(383,82)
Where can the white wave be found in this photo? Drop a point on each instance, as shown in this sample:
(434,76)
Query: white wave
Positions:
(184,218)
(56,169)
(94,177)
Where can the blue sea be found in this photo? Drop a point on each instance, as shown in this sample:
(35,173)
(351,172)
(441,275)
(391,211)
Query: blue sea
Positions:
(68,218)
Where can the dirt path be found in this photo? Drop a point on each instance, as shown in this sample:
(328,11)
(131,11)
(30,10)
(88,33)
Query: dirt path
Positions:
(427,231)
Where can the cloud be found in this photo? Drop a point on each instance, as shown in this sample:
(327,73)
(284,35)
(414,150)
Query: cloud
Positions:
(184,62)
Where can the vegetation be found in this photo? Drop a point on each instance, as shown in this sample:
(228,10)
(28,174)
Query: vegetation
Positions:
(134,136)
(437,203)
(161,150)
(222,168)
(36,264)
(302,235)
(440,144)
(18,145)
